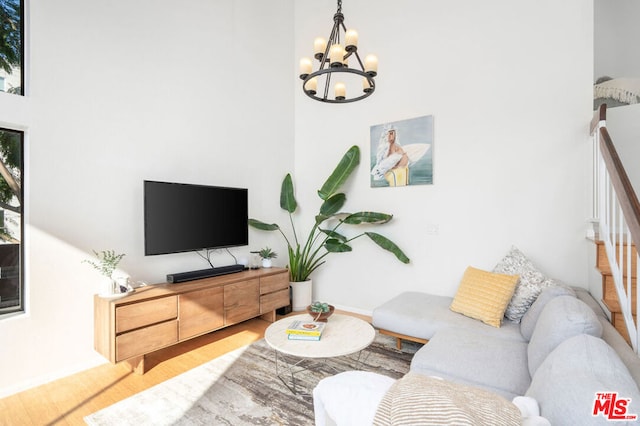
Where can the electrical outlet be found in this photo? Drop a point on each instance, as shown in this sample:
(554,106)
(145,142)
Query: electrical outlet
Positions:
(433,229)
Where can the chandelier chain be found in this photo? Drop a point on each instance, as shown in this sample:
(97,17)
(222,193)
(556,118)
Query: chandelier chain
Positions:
(339,6)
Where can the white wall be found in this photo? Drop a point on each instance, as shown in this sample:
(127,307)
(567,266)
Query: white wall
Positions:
(119,92)
(616,38)
(615,45)
(509,86)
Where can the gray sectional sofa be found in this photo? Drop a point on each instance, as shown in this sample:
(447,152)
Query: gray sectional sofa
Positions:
(562,357)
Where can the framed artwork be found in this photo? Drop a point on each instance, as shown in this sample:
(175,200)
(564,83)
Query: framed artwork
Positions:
(402,152)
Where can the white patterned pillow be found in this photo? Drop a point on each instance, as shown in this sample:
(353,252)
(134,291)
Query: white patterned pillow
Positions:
(529,286)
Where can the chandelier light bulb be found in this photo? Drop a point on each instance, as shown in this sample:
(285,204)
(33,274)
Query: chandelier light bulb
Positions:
(336,55)
(341,91)
(305,67)
(351,40)
(319,47)
(371,65)
(312,86)
(366,86)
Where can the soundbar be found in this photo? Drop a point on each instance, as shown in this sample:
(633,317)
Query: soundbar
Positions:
(181,277)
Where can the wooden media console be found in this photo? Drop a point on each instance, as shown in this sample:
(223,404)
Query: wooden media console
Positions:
(162,315)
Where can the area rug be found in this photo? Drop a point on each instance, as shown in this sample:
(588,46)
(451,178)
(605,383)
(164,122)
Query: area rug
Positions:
(241,388)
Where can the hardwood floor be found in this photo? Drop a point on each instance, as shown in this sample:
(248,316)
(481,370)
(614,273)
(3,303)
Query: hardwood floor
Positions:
(68,400)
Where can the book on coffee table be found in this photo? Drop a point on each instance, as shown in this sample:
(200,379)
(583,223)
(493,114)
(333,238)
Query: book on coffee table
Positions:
(305,328)
(303,337)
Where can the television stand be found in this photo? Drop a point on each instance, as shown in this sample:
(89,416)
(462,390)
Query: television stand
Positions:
(181,277)
(163,315)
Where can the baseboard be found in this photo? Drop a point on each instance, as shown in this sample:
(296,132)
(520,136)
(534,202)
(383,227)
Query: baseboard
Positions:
(354,310)
(47,378)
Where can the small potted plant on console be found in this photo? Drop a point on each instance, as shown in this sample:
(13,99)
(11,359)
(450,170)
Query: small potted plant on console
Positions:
(320,311)
(106,264)
(267,254)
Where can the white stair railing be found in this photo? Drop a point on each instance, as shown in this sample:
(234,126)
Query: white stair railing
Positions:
(618,212)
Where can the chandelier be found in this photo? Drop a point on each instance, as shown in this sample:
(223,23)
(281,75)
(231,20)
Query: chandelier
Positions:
(333,58)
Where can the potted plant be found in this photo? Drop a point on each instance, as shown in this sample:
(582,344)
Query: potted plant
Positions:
(320,311)
(106,264)
(267,254)
(305,256)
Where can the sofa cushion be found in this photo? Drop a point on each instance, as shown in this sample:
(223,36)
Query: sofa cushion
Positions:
(530,318)
(531,282)
(566,383)
(420,400)
(422,315)
(484,295)
(464,356)
(562,318)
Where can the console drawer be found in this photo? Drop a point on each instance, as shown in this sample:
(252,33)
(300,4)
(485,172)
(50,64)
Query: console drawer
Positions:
(136,315)
(273,283)
(145,340)
(275,300)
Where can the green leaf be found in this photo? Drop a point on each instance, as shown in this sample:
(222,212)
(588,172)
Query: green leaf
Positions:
(320,218)
(334,235)
(263,226)
(388,245)
(333,204)
(287,199)
(294,264)
(368,217)
(341,173)
(336,246)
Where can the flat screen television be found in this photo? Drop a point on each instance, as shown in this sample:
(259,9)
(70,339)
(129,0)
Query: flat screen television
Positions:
(182,217)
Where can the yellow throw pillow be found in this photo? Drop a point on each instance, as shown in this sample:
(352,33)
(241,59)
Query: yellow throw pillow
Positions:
(484,295)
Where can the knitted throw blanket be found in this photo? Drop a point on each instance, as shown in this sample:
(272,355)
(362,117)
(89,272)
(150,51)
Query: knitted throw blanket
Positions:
(626,90)
(420,400)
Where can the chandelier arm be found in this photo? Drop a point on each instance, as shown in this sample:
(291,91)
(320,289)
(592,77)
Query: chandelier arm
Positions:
(338,18)
(332,40)
(354,48)
(327,85)
(359,61)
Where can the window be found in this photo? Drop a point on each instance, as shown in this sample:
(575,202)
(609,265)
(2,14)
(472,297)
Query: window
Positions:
(11,46)
(11,223)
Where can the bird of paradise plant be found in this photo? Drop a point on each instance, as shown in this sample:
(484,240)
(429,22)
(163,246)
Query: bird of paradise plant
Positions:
(308,255)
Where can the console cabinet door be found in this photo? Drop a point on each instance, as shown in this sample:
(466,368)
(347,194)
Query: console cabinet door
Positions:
(201,312)
(241,301)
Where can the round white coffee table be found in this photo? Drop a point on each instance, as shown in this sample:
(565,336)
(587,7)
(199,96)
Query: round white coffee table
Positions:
(343,335)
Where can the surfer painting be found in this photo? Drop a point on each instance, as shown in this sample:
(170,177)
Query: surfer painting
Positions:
(394,164)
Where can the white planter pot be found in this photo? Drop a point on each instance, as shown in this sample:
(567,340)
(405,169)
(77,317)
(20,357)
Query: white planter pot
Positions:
(300,295)
(106,287)
(267,263)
